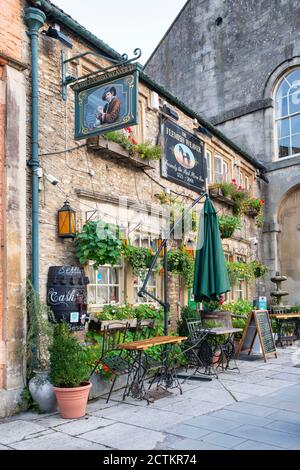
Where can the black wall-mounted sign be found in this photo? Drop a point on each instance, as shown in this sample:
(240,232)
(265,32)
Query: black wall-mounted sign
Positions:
(67,295)
(183,159)
(106,103)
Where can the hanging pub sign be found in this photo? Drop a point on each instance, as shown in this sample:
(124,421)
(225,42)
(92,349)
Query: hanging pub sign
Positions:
(183,159)
(107,102)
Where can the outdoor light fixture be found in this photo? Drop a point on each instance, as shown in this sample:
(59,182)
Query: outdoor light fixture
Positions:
(66,221)
(170,111)
(56,34)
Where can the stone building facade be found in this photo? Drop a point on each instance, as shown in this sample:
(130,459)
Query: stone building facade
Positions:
(93,175)
(13,64)
(239,65)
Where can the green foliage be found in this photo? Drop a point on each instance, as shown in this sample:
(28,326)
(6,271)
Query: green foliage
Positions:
(213,305)
(187,313)
(98,242)
(69,365)
(258,205)
(227,225)
(144,150)
(139,258)
(239,307)
(239,323)
(248,271)
(39,332)
(117,312)
(181,262)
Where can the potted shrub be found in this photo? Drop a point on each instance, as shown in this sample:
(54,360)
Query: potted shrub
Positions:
(69,372)
(228,224)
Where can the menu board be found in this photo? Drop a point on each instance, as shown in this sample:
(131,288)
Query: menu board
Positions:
(258,323)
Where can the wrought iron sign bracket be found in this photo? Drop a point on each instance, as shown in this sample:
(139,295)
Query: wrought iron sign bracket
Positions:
(69,79)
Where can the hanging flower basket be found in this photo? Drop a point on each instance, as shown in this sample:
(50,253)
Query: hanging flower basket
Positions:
(226,232)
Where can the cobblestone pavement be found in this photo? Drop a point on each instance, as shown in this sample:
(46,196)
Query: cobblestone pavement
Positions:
(258,408)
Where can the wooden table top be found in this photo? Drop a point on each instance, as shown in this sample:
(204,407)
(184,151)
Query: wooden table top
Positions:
(222,330)
(285,315)
(144,344)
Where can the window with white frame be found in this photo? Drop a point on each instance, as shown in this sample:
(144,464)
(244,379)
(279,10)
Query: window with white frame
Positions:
(143,240)
(240,288)
(104,286)
(208,166)
(221,169)
(241,180)
(287,115)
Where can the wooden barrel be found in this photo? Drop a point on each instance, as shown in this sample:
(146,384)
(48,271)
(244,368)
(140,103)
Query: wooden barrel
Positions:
(222,317)
(67,295)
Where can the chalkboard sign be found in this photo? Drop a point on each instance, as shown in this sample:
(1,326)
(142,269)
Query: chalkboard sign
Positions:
(258,323)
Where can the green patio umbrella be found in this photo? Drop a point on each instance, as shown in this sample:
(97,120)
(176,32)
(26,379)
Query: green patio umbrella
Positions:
(211,277)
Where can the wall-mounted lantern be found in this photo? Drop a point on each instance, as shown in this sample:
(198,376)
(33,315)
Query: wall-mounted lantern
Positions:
(66,221)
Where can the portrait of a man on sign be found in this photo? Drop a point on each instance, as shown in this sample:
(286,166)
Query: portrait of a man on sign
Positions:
(105,107)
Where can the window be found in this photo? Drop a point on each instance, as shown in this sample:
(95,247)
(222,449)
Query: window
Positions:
(221,169)
(208,166)
(104,286)
(241,180)
(247,184)
(287,115)
(240,289)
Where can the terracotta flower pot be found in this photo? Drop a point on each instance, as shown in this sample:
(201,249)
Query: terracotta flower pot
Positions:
(72,401)
(216,358)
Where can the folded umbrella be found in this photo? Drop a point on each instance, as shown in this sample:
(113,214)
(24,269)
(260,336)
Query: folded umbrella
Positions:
(211,276)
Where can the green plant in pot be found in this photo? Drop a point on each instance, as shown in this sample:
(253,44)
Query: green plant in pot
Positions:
(98,242)
(228,224)
(69,372)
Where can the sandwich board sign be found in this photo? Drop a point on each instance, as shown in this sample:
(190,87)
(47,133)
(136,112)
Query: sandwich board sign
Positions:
(258,323)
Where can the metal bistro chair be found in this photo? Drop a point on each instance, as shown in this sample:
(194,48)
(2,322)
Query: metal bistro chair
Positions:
(113,357)
(198,351)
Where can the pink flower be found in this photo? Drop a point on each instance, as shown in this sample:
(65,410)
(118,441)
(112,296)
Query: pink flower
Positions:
(233,181)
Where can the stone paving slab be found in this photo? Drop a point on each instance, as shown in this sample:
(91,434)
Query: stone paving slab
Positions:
(292,428)
(57,441)
(287,416)
(4,447)
(254,445)
(213,424)
(83,425)
(193,444)
(184,430)
(224,440)
(193,407)
(14,431)
(242,418)
(268,436)
(123,436)
(249,408)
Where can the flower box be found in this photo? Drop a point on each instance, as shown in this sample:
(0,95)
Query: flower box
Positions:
(98,325)
(112,150)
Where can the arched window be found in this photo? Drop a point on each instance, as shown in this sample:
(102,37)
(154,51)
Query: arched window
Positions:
(287,115)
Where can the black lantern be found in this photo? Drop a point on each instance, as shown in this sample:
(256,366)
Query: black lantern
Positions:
(66,221)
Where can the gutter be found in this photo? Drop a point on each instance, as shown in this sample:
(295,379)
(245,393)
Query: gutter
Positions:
(35,19)
(56,14)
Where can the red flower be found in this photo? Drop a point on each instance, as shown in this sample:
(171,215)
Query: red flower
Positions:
(105,368)
(221,301)
(128,129)
(233,181)
(132,140)
(262,202)
(240,188)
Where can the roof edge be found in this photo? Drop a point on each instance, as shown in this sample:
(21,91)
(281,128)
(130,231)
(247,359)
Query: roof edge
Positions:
(55,13)
(176,101)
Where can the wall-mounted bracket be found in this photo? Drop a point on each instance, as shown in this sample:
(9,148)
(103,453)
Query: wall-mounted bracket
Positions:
(68,79)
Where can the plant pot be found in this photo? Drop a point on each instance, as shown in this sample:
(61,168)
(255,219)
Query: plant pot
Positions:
(227,232)
(72,401)
(252,211)
(41,391)
(216,358)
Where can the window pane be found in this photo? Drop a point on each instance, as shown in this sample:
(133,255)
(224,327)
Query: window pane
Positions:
(102,295)
(92,275)
(295,125)
(102,276)
(114,294)
(283,89)
(283,147)
(145,242)
(91,294)
(292,77)
(294,102)
(218,165)
(295,144)
(114,276)
(283,128)
(281,108)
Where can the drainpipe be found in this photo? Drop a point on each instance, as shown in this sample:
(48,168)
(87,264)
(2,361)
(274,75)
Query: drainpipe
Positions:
(34,19)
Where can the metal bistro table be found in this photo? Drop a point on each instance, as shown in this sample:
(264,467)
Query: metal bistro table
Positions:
(286,322)
(141,363)
(227,350)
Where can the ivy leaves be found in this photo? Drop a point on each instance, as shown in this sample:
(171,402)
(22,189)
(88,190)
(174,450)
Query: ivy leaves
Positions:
(98,242)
